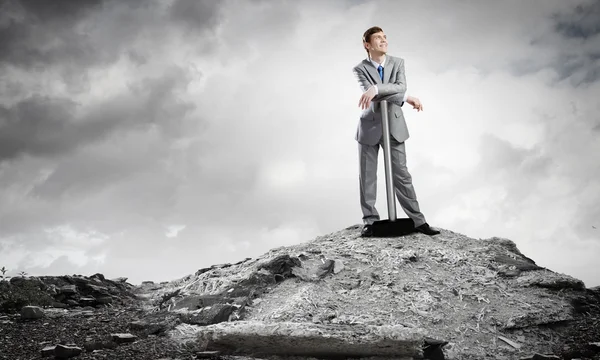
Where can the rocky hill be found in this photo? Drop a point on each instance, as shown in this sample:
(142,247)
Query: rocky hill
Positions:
(338,296)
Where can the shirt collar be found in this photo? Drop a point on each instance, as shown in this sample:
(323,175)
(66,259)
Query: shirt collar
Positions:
(376,64)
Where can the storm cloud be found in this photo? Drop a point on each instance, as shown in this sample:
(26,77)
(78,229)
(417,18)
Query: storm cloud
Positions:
(148,139)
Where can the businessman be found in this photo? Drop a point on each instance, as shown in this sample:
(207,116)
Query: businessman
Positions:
(381,77)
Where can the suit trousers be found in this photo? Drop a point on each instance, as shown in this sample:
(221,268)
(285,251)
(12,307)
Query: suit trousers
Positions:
(404,189)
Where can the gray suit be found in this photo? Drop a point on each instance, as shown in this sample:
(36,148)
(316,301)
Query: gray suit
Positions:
(369,136)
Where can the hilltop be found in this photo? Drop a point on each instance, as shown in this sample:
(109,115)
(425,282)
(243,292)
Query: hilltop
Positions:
(343,296)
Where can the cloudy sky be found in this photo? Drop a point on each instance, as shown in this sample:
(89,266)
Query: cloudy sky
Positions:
(148,139)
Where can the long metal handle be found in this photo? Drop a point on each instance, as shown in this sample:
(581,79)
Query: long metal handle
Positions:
(387,159)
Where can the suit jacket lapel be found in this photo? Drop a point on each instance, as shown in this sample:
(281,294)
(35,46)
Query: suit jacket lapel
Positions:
(387,69)
(372,71)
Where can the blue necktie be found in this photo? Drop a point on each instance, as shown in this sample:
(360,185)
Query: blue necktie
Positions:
(380,70)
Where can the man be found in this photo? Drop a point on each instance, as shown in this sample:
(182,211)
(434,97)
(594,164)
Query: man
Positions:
(381,77)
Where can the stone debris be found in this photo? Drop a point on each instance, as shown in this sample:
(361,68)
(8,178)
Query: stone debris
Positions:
(156,323)
(510,342)
(66,351)
(208,354)
(433,349)
(48,351)
(67,291)
(338,266)
(123,338)
(537,356)
(32,312)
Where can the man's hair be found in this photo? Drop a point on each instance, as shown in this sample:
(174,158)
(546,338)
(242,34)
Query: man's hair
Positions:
(367,36)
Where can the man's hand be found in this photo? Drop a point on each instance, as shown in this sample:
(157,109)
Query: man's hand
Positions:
(415,102)
(366,97)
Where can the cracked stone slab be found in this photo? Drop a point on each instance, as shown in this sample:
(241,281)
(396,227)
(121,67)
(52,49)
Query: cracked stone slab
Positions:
(307,339)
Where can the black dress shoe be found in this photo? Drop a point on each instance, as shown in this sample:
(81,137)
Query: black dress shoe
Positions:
(425,229)
(367,231)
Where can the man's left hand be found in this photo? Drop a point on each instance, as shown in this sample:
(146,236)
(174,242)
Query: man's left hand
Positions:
(366,97)
(415,102)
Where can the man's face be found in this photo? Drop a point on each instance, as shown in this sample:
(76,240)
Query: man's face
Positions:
(378,43)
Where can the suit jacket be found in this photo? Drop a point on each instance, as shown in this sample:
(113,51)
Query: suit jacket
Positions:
(392,89)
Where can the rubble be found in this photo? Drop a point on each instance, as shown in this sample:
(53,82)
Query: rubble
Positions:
(339,295)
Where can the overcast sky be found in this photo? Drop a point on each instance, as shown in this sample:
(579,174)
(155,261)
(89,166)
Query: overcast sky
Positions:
(148,139)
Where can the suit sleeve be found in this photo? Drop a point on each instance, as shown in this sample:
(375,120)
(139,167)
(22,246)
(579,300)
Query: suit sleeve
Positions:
(360,76)
(394,98)
(392,92)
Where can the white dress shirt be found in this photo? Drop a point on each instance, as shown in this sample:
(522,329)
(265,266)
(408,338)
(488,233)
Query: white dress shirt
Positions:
(376,64)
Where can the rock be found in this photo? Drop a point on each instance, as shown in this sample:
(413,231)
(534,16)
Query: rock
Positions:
(68,290)
(80,281)
(32,312)
(103,300)
(281,266)
(65,352)
(537,356)
(432,349)
(509,273)
(98,290)
(202,271)
(60,305)
(92,345)
(313,270)
(550,280)
(325,269)
(584,304)
(98,276)
(194,302)
(123,338)
(156,323)
(208,355)
(537,318)
(253,286)
(408,255)
(51,290)
(304,339)
(303,257)
(519,262)
(19,281)
(88,313)
(211,315)
(87,301)
(338,266)
(120,279)
(48,351)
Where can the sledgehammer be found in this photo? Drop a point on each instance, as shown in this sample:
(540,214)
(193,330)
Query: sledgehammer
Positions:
(391,227)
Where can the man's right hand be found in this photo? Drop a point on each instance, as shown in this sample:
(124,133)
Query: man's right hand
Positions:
(415,102)
(365,99)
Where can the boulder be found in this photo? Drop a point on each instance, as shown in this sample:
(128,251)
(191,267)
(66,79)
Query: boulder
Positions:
(32,312)
(66,352)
